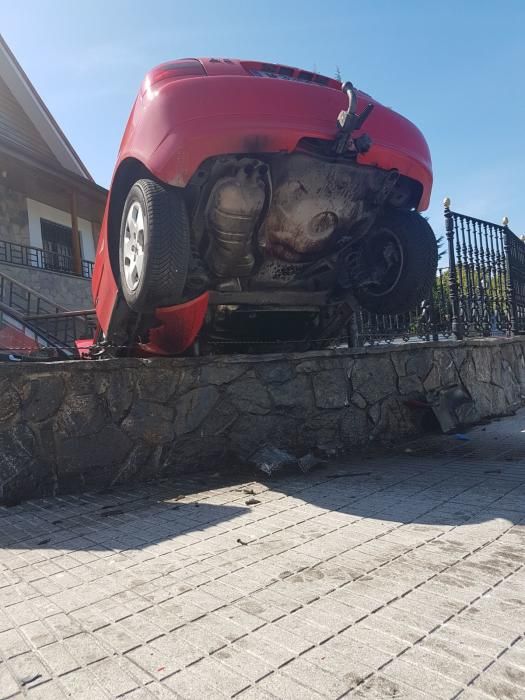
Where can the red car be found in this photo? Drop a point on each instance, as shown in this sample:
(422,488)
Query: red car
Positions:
(252,206)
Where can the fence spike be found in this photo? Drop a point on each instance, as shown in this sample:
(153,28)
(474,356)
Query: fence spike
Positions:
(505,221)
(446,202)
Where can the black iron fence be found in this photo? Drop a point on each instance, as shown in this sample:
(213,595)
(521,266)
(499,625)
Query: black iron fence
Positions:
(480,293)
(54,322)
(17,254)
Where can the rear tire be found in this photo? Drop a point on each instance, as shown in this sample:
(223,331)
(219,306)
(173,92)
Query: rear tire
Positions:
(154,247)
(404,247)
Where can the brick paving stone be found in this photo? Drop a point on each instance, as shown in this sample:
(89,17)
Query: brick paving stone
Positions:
(379,687)
(27,666)
(82,685)
(165,655)
(63,625)
(348,650)
(242,662)
(255,693)
(322,679)
(8,685)
(275,654)
(421,678)
(112,677)
(281,686)
(47,691)
(12,643)
(495,687)
(85,648)
(190,685)
(58,658)
(38,633)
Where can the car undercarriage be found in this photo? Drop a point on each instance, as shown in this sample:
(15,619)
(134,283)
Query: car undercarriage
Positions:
(277,241)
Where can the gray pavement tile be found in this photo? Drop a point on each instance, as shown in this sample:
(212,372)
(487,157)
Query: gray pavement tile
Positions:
(58,659)
(85,648)
(8,685)
(242,662)
(421,678)
(50,690)
(279,685)
(324,682)
(165,655)
(379,687)
(82,685)
(113,677)
(496,687)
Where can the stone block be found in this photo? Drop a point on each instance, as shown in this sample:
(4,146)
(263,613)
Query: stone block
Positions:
(42,398)
(274,372)
(9,400)
(373,376)
(296,392)
(154,384)
(77,453)
(150,422)
(249,396)
(80,415)
(193,407)
(409,385)
(354,426)
(330,389)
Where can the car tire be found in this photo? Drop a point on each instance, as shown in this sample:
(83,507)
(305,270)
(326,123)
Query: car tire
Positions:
(154,249)
(406,286)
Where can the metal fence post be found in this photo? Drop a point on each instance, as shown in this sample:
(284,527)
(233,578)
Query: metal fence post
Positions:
(457,329)
(510,291)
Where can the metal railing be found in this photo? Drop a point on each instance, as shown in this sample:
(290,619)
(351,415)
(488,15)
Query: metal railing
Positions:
(480,293)
(56,323)
(18,254)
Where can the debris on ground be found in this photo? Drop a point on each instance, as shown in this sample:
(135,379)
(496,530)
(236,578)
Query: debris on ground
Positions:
(330,449)
(26,680)
(241,541)
(343,475)
(453,408)
(461,436)
(308,462)
(252,502)
(271,459)
(249,492)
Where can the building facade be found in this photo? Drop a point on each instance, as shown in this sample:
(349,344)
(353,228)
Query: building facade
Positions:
(50,207)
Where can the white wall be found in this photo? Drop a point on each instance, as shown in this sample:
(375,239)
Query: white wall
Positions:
(37,210)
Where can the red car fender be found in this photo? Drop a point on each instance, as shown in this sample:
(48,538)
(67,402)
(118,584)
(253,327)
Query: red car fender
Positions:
(179,327)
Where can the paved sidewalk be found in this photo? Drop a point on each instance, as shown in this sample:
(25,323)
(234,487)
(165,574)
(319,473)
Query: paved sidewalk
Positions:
(397,577)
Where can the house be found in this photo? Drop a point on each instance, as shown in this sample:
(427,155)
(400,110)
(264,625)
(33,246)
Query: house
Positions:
(50,207)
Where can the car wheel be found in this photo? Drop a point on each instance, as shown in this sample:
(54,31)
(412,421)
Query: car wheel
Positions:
(154,246)
(398,261)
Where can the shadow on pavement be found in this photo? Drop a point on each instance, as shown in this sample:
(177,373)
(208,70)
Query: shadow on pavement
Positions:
(438,480)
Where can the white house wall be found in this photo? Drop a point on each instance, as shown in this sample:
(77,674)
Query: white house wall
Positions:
(38,210)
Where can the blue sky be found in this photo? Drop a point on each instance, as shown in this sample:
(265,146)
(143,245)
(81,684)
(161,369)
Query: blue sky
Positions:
(454,68)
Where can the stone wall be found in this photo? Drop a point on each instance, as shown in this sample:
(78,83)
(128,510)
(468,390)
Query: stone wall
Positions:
(14,223)
(91,424)
(65,290)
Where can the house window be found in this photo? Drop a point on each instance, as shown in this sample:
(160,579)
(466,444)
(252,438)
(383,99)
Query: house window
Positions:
(57,245)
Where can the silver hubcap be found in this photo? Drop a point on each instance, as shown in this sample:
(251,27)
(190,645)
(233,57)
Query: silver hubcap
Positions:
(134,246)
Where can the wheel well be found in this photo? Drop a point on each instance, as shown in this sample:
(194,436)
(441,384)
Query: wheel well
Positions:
(128,172)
